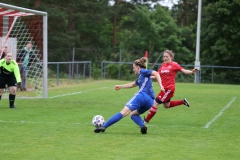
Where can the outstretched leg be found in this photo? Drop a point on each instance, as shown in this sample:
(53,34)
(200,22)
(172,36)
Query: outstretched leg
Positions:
(115,118)
(179,102)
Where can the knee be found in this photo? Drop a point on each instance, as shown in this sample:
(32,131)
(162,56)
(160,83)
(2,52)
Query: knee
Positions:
(131,114)
(13,90)
(13,93)
(166,106)
(124,114)
(125,111)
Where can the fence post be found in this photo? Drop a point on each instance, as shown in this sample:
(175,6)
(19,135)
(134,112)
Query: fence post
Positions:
(57,76)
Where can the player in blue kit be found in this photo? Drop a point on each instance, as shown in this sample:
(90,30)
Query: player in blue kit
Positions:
(141,101)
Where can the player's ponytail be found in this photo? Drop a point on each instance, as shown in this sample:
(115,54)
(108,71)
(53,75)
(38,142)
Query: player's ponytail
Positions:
(141,62)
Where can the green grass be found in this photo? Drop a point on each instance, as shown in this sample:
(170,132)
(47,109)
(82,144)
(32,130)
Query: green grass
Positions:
(60,128)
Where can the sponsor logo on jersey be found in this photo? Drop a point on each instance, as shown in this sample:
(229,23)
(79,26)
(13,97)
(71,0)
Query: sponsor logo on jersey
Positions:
(165,71)
(6,72)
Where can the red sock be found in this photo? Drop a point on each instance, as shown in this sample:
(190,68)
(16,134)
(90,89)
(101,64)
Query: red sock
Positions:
(151,113)
(175,103)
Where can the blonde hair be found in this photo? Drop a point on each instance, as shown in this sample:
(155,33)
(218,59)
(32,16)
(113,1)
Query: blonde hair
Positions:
(171,54)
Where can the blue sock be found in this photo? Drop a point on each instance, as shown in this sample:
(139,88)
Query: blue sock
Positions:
(138,120)
(115,118)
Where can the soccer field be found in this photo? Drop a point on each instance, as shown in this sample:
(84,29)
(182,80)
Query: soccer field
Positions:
(59,127)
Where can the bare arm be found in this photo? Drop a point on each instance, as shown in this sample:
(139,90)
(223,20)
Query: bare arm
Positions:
(185,71)
(128,85)
(156,76)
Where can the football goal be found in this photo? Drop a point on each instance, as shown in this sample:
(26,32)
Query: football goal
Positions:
(18,26)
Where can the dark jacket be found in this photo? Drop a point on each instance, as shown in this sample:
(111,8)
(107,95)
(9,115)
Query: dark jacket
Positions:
(22,55)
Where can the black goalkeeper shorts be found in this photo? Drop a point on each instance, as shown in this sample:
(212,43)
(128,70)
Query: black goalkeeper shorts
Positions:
(10,81)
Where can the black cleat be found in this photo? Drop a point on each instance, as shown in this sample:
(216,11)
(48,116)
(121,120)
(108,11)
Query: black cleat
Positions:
(144,129)
(186,103)
(100,129)
(12,106)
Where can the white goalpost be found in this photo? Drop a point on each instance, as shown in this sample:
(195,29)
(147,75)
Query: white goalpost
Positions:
(17,27)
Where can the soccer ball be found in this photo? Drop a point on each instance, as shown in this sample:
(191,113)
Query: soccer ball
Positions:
(98,121)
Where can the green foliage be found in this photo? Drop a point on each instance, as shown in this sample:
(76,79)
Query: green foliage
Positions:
(96,72)
(153,30)
(221,33)
(88,26)
(122,72)
(185,12)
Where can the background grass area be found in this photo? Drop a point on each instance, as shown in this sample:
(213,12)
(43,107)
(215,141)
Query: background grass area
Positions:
(60,127)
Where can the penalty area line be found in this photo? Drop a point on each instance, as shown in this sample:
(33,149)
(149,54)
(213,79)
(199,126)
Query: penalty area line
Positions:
(68,94)
(221,112)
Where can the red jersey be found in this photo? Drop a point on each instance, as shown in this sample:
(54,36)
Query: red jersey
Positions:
(168,73)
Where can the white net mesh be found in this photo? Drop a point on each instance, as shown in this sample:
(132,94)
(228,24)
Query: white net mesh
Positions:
(16,32)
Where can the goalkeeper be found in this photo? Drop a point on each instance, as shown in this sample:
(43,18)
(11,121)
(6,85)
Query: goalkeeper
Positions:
(9,75)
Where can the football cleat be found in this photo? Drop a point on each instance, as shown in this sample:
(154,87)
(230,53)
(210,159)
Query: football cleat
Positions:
(100,129)
(144,129)
(186,103)
(12,106)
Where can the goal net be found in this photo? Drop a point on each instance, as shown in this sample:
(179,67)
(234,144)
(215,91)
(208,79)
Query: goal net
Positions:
(18,26)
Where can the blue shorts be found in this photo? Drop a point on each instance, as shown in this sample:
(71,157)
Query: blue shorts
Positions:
(140,102)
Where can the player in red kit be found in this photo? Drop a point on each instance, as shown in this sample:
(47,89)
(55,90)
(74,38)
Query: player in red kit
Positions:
(168,71)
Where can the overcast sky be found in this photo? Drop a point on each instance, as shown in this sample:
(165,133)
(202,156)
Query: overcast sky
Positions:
(168,3)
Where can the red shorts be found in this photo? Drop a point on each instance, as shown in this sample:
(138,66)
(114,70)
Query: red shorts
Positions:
(165,97)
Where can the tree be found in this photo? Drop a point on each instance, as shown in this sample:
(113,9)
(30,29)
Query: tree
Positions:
(221,33)
(153,30)
(185,12)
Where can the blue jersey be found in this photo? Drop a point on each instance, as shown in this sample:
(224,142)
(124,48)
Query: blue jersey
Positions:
(144,82)
(143,99)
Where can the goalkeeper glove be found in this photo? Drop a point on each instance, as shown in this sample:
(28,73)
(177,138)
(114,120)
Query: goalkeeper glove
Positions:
(19,85)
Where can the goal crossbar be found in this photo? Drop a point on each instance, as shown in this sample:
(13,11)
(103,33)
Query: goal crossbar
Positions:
(10,10)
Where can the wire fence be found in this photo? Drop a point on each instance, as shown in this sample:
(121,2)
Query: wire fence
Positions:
(75,71)
(208,74)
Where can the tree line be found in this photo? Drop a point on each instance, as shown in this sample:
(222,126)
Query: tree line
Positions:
(101,31)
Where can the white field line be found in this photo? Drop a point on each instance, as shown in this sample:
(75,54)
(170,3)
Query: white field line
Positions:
(68,94)
(41,122)
(221,112)
(87,124)
(62,95)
